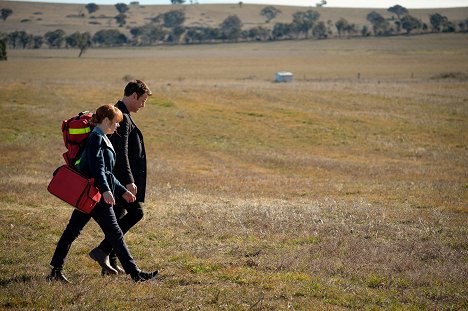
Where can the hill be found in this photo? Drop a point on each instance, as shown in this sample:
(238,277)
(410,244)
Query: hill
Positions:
(37,18)
(333,192)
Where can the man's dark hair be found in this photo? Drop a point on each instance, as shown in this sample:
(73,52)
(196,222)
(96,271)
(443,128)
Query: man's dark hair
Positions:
(137,86)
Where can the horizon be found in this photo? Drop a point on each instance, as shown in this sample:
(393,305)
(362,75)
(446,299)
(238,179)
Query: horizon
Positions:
(409,4)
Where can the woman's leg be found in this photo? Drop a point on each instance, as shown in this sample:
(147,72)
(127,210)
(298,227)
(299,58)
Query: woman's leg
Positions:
(128,214)
(77,222)
(104,215)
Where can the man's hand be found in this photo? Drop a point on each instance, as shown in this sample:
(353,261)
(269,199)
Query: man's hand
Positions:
(132,188)
(129,197)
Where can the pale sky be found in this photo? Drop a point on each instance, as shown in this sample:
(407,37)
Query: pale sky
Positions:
(409,4)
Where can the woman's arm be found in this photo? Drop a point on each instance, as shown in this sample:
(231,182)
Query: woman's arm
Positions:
(95,155)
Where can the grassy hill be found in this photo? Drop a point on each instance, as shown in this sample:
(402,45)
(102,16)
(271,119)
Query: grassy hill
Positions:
(345,189)
(38,18)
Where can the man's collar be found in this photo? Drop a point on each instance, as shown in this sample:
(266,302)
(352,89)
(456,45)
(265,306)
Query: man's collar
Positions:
(121,105)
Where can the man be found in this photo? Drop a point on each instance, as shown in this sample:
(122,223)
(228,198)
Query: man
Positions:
(130,170)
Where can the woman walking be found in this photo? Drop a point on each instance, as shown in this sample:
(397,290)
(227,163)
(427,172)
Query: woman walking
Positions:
(97,162)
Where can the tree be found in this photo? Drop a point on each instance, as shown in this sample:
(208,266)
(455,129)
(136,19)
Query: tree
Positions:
(25,39)
(281,30)
(121,7)
(38,41)
(173,19)
(449,27)
(398,10)
(341,25)
(231,27)
(109,37)
(365,31)
(258,33)
(463,25)
(5,13)
(12,39)
(19,39)
(121,19)
(269,12)
(304,21)
(177,1)
(379,24)
(410,23)
(92,7)
(55,38)
(351,29)
(202,34)
(320,31)
(148,34)
(79,40)
(438,22)
(176,33)
(3,52)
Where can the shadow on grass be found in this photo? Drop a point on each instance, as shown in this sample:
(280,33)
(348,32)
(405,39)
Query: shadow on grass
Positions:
(16,279)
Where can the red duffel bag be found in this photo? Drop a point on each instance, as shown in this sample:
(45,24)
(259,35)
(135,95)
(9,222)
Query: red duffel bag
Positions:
(74,188)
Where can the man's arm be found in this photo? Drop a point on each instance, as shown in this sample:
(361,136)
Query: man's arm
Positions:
(120,143)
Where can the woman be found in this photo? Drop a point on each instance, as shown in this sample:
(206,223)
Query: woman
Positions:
(97,161)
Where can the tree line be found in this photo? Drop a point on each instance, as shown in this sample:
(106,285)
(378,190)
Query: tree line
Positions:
(168,28)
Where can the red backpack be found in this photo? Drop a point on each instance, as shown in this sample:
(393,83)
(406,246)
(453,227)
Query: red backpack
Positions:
(75,134)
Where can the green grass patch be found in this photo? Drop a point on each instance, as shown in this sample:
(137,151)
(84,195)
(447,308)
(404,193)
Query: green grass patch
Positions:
(160,102)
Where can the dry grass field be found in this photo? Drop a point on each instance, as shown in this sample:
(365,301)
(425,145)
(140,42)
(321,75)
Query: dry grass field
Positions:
(345,189)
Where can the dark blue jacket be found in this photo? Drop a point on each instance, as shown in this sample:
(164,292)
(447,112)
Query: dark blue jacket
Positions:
(131,155)
(98,161)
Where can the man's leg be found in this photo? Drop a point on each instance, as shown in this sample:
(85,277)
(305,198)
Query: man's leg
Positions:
(126,221)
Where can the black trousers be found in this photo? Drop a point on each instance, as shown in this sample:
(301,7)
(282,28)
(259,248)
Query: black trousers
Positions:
(128,214)
(104,215)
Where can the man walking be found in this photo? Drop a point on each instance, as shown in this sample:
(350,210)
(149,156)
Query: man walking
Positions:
(130,170)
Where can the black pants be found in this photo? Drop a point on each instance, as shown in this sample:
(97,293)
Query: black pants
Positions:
(104,215)
(128,214)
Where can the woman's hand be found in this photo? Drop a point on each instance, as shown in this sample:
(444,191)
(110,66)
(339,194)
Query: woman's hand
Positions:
(129,197)
(108,198)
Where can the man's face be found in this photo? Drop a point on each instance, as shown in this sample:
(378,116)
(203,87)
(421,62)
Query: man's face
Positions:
(137,102)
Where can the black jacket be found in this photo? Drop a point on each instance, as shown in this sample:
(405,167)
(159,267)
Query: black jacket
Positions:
(98,160)
(128,143)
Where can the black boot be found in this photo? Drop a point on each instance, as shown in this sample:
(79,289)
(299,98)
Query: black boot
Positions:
(57,275)
(141,276)
(102,258)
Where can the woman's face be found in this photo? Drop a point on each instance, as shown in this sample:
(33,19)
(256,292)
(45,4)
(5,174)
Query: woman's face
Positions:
(112,125)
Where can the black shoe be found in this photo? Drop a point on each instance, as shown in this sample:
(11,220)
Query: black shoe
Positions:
(141,276)
(103,259)
(57,275)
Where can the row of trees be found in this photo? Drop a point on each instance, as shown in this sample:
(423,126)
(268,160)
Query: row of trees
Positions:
(3,53)
(403,20)
(169,28)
